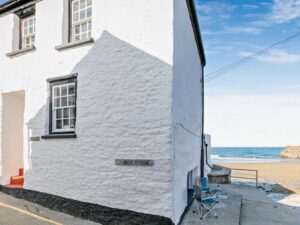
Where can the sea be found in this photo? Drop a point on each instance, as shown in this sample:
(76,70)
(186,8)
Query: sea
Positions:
(245,154)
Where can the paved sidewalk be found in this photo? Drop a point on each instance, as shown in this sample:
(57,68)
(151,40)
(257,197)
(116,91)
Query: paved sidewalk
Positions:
(246,206)
(15,211)
(259,209)
(228,211)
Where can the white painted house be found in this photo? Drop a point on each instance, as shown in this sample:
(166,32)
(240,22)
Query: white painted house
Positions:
(102,101)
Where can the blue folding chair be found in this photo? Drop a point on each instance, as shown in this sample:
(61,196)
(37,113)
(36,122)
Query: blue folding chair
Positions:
(203,183)
(207,202)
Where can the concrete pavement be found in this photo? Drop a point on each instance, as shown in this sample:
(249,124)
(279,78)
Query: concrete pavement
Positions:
(20,212)
(246,206)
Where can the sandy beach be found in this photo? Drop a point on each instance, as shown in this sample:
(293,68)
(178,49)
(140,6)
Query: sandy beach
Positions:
(287,174)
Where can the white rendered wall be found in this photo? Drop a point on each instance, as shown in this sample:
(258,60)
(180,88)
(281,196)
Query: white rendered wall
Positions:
(187,106)
(124,104)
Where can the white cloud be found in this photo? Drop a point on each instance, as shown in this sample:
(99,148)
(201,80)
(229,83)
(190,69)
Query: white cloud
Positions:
(250,7)
(276,57)
(248,30)
(216,49)
(292,86)
(284,11)
(252,15)
(280,11)
(253,120)
(233,30)
(214,11)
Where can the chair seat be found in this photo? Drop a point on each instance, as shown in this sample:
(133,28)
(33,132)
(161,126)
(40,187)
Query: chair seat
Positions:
(209,200)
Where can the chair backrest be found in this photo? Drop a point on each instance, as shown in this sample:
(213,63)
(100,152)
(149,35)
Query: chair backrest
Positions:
(203,181)
(197,192)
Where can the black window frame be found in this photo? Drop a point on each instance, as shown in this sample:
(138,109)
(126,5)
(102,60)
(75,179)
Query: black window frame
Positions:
(60,81)
(23,14)
(70,21)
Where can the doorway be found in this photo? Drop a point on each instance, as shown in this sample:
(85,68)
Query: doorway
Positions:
(12,138)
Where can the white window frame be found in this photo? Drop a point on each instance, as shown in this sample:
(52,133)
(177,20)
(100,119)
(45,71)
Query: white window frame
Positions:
(81,28)
(62,109)
(28,32)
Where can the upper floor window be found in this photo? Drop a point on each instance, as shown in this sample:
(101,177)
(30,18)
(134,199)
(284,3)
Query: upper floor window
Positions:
(81,15)
(28,32)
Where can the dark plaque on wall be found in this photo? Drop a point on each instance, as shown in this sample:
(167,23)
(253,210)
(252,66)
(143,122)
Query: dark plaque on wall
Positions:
(134,162)
(37,138)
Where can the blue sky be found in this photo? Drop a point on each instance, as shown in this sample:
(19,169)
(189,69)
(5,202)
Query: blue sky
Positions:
(232,30)
(1,1)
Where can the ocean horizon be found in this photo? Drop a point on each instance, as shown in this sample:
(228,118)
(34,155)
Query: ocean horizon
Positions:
(245,154)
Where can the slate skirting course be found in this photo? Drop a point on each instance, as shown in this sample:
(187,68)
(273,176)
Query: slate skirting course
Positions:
(93,212)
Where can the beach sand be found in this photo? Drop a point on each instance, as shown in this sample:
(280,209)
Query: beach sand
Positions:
(286,174)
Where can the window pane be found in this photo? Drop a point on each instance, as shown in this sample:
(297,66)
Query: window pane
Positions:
(82,14)
(84,27)
(77,29)
(82,4)
(71,100)
(71,89)
(89,12)
(57,102)
(56,91)
(84,36)
(75,17)
(58,124)
(72,123)
(64,101)
(32,40)
(72,112)
(58,113)
(89,2)
(64,91)
(66,123)
(66,113)
(75,6)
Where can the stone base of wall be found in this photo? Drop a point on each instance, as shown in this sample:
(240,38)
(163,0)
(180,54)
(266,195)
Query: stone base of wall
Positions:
(219,175)
(97,213)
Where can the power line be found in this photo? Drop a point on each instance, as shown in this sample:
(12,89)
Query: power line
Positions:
(226,69)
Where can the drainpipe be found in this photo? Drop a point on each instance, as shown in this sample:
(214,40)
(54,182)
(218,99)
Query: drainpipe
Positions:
(202,155)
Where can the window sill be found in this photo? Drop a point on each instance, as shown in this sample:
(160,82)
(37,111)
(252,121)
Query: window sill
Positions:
(74,44)
(59,136)
(21,51)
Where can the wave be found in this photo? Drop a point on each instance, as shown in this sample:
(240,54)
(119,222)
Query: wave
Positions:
(220,159)
(244,156)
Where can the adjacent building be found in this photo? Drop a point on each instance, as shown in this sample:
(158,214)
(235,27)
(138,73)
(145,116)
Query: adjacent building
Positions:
(102,101)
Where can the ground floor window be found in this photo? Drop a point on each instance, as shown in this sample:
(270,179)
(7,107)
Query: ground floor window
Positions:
(63,105)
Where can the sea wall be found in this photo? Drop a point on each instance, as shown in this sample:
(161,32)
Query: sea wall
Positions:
(290,152)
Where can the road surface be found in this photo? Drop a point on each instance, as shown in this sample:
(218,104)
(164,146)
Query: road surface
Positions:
(20,212)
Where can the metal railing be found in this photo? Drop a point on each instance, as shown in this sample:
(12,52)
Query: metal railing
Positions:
(247,178)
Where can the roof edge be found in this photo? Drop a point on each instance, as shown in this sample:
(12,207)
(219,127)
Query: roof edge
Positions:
(196,28)
(12,4)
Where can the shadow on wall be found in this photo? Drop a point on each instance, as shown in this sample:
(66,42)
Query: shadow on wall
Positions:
(123,111)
